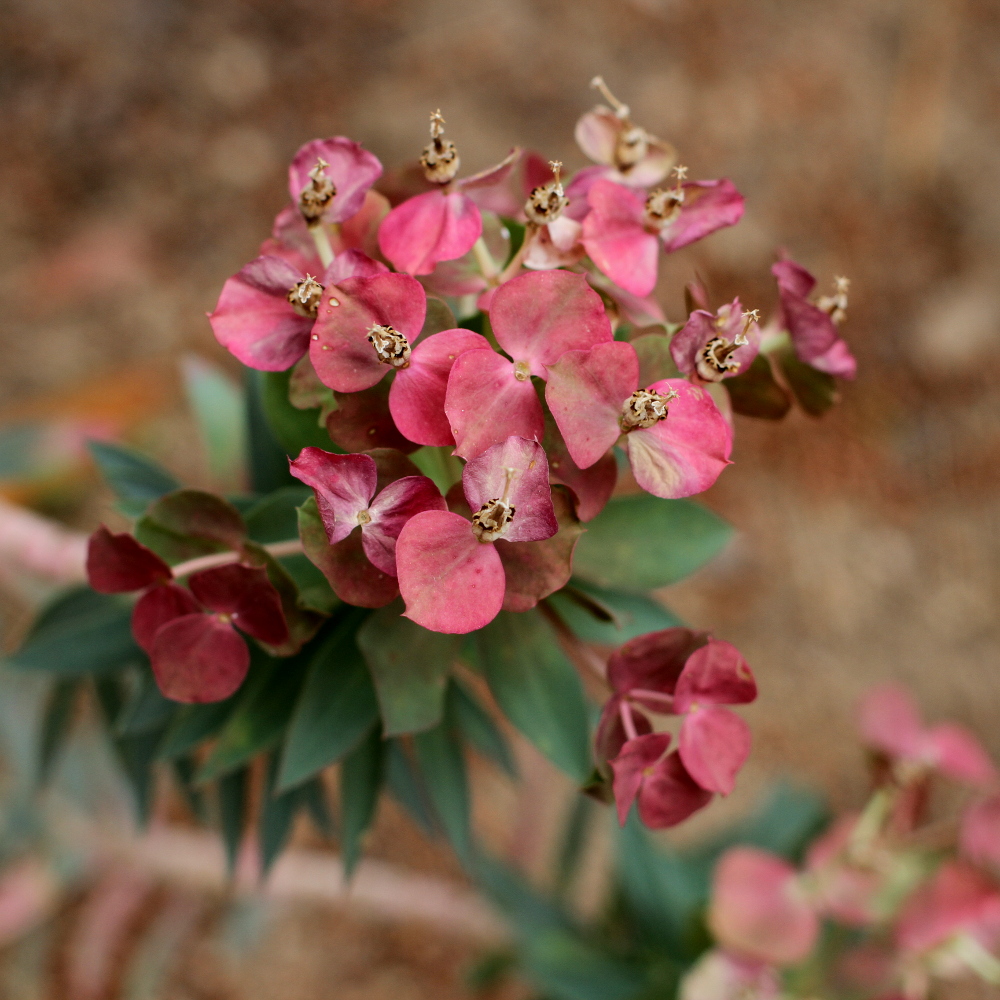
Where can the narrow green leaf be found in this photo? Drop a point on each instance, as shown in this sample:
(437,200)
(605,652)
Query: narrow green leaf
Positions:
(233,795)
(476,725)
(80,632)
(192,724)
(56,721)
(137,755)
(219,410)
(572,843)
(183,769)
(267,460)
(631,614)
(277,814)
(410,666)
(293,429)
(335,708)
(442,765)
(136,480)
(313,795)
(146,709)
(361,776)
(641,542)
(538,689)
(274,518)
(407,786)
(567,968)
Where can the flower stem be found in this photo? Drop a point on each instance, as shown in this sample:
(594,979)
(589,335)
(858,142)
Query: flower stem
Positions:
(322,241)
(628,723)
(515,263)
(487,265)
(277,549)
(665,699)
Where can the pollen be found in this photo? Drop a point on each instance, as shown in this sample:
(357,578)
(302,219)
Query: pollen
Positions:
(440,158)
(644,408)
(715,360)
(492,520)
(546,202)
(663,205)
(391,347)
(364,517)
(317,194)
(305,296)
(836,305)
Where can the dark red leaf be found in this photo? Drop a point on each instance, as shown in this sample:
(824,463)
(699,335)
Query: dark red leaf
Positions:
(158,606)
(362,421)
(117,564)
(653,661)
(247,596)
(199,658)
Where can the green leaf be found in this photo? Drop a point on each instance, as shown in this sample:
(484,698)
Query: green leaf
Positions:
(335,709)
(233,795)
(476,725)
(220,412)
(292,428)
(56,721)
(137,755)
(261,716)
(516,231)
(816,391)
(361,777)
(580,605)
(190,523)
(274,518)
(438,317)
(755,393)
(537,688)
(442,765)
(567,968)
(640,542)
(439,465)
(655,360)
(183,769)
(192,724)
(145,709)
(268,461)
(277,814)
(80,632)
(407,786)
(410,666)
(136,480)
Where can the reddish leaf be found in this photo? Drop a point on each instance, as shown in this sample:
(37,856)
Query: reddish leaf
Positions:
(199,658)
(362,421)
(653,661)
(158,606)
(247,596)
(117,564)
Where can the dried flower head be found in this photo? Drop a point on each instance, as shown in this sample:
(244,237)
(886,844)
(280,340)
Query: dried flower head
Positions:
(440,157)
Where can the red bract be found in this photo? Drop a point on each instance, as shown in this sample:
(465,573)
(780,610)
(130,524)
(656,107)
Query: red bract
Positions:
(759,910)
(117,564)
(677,440)
(623,231)
(536,318)
(813,327)
(328,179)
(267,310)
(891,724)
(450,574)
(345,486)
(979,836)
(714,347)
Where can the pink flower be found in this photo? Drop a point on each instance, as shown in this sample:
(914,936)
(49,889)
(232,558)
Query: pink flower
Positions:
(450,573)
(813,327)
(719,975)
(719,346)
(266,311)
(328,179)
(758,908)
(891,724)
(677,440)
(623,231)
(345,487)
(536,318)
(979,835)
(844,889)
(444,223)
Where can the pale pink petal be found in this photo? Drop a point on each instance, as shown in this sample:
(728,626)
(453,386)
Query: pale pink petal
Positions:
(703,326)
(592,486)
(846,892)
(586,391)
(555,245)
(837,361)
(685,453)
(360,231)
(344,486)
(352,264)
(610,736)
(352,169)
(793,278)
(516,469)
(714,744)
(290,239)
(417,395)
(254,320)
(889,722)
(653,167)
(716,674)
(718,975)
(959,755)
(340,351)
(429,228)
(390,510)
(669,795)
(450,581)
(640,311)
(615,236)
(486,403)
(492,175)
(630,766)
(537,317)
(596,133)
(579,187)
(708,206)
(979,836)
(758,910)
(351,574)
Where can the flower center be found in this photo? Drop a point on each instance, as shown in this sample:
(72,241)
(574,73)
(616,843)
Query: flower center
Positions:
(491,521)
(391,346)
(836,305)
(522,371)
(364,517)
(631,147)
(547,202)
(644,408)
(440,157)
(715,360)
(304,296)
(317,194)
(663,205)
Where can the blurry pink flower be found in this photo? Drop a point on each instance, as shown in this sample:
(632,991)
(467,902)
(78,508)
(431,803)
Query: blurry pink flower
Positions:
(623,231)
(450,574)
(843,889)
(536,318)
(759,910)
(813,327)
(677,440)
(328,179)
(891,724)
(719,975)
(718,346)
(979,835)
(345,487)
(266,311)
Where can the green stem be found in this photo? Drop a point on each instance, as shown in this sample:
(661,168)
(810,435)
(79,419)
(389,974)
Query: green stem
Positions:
(322,241)
(487,265)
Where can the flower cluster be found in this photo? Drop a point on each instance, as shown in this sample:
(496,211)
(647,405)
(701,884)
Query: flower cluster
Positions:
(917,894)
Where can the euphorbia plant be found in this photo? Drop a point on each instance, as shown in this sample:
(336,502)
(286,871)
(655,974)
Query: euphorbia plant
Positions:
(468,418)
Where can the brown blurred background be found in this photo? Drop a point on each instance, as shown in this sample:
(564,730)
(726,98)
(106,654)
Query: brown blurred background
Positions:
(142,159)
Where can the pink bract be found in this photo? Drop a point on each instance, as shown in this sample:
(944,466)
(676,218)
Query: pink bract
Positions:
(351,168)
(758,909)
(599,132)
(344,358)
(198,658)
(718,975)
(703,328)
(979,836)
(428,228)
(117,564)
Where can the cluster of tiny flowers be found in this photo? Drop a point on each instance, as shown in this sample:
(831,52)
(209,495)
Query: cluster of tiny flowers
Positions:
(916,897)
